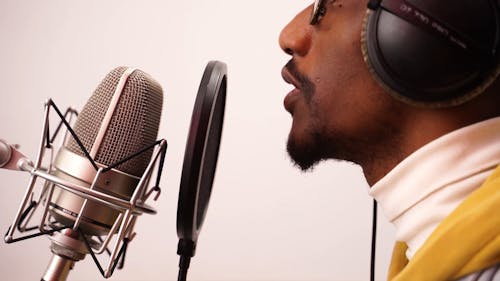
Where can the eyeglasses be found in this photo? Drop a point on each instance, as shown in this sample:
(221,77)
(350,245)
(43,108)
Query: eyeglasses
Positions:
(405,10)
(318,11)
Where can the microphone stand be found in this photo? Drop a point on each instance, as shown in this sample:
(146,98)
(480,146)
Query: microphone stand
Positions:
(67,248)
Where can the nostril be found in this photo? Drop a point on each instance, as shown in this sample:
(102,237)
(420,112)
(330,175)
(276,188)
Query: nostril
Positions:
(296,38)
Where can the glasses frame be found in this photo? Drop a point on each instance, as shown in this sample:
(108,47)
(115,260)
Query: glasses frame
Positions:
(410,13)
(318,11)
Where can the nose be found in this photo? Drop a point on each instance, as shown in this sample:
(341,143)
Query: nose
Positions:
(295,38)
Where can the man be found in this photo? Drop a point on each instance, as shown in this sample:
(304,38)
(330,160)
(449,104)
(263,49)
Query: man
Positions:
(430,160)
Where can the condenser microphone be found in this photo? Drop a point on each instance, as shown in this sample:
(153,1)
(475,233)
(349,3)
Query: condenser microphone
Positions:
(97,184)
(120,118)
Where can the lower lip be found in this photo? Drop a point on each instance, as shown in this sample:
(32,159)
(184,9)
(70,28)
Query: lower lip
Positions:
(290,99)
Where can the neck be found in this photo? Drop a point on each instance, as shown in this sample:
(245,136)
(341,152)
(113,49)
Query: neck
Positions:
(396,148)
(413,127)
(416,132)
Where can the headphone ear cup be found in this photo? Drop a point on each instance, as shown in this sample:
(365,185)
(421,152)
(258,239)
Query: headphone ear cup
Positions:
(420,68)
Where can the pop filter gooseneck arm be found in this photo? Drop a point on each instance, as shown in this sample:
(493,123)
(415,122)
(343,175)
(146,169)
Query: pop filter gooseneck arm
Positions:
(200,160)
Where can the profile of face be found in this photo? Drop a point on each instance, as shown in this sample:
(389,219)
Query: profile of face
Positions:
(339,111)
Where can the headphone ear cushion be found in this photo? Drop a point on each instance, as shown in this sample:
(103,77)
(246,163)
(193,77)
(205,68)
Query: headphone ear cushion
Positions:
(420,68)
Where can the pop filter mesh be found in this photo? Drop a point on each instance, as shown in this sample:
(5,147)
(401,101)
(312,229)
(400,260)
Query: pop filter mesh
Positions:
(134,124)
(211,154)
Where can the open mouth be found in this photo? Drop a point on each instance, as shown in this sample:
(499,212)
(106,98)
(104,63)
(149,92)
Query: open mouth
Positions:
(293,95)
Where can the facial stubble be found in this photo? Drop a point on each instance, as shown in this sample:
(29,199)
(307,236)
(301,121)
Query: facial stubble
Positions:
(320,140)
(311,146)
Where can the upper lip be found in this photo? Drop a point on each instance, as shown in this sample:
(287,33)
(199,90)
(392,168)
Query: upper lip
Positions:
(289,78)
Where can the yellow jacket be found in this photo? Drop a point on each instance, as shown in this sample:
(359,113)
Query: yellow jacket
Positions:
(466,241)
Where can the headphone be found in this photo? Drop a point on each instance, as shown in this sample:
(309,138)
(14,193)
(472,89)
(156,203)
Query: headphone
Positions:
(432,53)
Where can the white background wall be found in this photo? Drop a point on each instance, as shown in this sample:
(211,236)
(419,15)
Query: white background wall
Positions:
(267,220)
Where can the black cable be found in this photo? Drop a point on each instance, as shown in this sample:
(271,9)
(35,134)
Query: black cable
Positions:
(121,264)
(70,130)
(49,232)
(59,126)
(94,257)
(25,214)
(135,154)
(160,165)
(374,240)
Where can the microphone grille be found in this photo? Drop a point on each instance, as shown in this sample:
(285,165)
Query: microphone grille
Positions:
(134,123)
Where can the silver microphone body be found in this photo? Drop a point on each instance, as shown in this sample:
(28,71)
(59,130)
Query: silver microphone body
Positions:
(120,118)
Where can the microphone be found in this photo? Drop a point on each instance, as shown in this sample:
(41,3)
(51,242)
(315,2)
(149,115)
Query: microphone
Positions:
(97,184)
(119,119)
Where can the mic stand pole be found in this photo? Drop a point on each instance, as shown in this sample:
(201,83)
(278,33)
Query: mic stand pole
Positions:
(67,249)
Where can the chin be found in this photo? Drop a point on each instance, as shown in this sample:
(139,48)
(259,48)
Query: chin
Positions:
(304,151)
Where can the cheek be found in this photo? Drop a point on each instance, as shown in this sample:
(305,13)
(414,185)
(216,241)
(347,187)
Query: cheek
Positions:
(349,103)
(342,95)
(343,82)
(346,95)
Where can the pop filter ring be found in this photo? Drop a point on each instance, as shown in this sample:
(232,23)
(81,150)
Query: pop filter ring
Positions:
(202,149)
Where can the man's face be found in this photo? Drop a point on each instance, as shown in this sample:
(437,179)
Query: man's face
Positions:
(338,109)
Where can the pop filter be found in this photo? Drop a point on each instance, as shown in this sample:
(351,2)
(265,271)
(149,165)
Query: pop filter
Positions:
(200,159)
